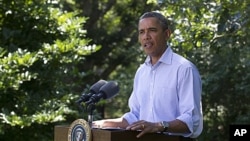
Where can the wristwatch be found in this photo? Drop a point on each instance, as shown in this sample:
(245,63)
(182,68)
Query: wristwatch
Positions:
(165,126)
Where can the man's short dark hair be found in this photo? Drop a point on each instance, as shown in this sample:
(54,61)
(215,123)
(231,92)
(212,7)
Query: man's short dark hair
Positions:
(162,19)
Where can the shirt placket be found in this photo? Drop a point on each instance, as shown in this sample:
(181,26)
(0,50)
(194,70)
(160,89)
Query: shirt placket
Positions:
(152,87)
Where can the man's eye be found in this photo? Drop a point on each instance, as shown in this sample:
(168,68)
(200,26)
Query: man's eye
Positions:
(141,32)
(153,29)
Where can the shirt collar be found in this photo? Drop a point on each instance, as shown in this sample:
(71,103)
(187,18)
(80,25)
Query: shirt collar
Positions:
(165,58)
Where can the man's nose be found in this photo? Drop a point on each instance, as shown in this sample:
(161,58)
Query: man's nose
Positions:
(146,36)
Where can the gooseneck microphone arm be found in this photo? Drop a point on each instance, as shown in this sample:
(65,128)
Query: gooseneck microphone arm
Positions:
(91,108)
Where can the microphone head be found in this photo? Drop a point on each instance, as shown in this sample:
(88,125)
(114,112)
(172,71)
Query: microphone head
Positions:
(109,90)
(94,89)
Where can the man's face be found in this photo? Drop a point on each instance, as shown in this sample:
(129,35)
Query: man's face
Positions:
(152,37)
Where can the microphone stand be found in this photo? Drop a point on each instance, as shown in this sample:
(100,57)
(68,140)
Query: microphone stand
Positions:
(91,108)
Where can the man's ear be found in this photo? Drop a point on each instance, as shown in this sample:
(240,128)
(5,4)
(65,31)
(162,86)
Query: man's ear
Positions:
(168,33)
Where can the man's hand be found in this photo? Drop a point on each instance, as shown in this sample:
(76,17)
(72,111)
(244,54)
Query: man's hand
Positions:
(145,127)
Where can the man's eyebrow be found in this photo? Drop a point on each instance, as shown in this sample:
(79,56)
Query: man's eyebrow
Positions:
(140,30)
(150,28)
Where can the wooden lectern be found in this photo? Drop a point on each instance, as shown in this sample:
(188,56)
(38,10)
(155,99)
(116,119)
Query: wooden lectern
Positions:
(61,134)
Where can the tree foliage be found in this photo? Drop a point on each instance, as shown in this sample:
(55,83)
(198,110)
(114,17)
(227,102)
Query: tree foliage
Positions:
(50,51)
(40,47)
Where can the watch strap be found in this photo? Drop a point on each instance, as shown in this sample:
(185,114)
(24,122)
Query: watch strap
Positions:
(165,126)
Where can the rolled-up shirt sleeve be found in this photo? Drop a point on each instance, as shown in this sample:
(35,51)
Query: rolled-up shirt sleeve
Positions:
(189,93)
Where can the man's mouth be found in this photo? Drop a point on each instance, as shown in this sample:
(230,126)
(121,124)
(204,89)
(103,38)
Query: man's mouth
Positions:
(148,45)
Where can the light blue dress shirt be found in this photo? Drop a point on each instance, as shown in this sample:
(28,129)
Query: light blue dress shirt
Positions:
(170,89)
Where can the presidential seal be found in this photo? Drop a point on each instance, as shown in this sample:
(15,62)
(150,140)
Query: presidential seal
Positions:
(79,131)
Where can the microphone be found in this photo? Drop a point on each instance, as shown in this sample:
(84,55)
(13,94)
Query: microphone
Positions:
(94,89)
(106,91)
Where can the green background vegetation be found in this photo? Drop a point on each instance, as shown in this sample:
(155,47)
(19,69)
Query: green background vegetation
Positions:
(52,51)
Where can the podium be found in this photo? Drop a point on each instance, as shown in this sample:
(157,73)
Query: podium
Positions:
(61,134)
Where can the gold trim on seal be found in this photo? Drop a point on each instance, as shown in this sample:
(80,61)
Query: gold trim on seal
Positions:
(79,130)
